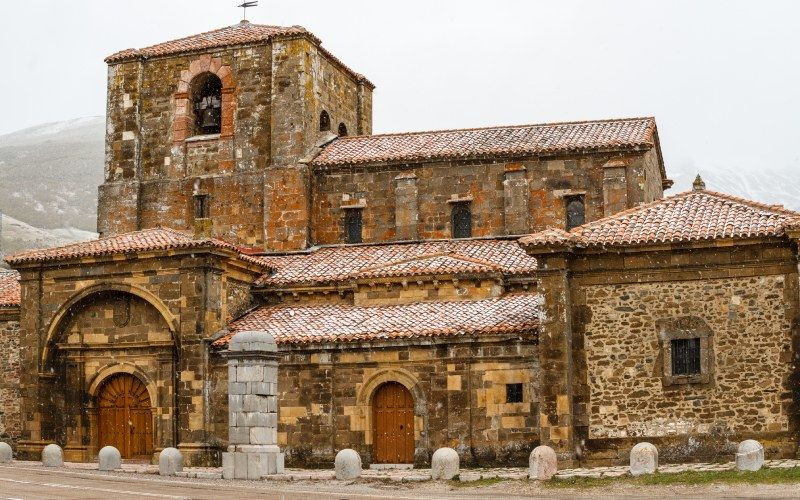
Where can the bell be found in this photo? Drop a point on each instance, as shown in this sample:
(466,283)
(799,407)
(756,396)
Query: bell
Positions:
(210,118)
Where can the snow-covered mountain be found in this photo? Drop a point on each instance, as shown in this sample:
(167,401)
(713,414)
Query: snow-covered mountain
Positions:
(49,173)
(772,185)
(16,236)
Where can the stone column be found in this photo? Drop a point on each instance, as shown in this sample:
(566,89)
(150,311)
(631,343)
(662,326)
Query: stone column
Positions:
(406,214)
(252,408)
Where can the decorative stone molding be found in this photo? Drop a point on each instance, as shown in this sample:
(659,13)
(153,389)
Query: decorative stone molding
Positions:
(686,327)
(182,121)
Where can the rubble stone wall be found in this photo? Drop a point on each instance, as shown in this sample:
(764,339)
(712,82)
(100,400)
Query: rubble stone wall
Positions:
(10,417)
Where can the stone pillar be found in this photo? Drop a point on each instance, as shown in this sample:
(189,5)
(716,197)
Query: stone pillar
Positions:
(406,211)
(556,413)
(515,200)
(252,408)
(615,187)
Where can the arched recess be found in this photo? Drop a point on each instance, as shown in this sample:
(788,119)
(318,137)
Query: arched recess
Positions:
(407,380)
(184,116)
(66,308)
(109,371)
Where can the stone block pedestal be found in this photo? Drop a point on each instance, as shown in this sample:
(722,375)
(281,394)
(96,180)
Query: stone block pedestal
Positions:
(253,408)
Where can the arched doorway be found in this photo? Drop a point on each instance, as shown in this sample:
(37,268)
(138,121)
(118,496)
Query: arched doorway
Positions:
(393,411)
(125,415)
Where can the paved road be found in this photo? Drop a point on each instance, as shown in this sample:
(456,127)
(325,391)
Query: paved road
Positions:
(35,483)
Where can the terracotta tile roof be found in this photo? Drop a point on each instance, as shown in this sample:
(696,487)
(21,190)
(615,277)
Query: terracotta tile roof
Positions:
(690,216)
(139,241)
(9,288)
(513,140)
(351,262)
(349,323)
(242,33)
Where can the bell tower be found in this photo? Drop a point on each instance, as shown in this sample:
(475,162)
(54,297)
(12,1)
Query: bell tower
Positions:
(210,133)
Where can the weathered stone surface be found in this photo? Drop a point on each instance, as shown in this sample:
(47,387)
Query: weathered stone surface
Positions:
(543,463)
(253,341)
(52,456)
(109,458)
(644,459)
(347,464)
(170,461)
(749,455)
(444,464)
(6,453)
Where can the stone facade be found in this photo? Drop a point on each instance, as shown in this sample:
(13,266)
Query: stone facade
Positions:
(252,171)
(742,300)
(10,418)
(459,390)
(507,195)
(147,316)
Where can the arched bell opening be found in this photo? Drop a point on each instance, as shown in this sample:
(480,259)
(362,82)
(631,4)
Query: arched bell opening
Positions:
(206,95)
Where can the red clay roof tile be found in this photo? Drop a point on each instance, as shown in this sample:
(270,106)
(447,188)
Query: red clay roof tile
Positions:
(348,323)
(690,216)
(628,133)
(139,241)
(238,34)
(351,262)
(9,288)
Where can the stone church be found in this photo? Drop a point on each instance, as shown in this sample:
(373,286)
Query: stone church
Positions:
(487,289)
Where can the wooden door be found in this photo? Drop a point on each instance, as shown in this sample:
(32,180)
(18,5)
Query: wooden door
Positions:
(393,411)
(126,419)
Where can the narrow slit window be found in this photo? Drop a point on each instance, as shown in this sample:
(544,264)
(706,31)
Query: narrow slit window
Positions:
(513,393)
(576,211)
(686,356)
(324,121)
(201,206)
(353,225)
(462,219)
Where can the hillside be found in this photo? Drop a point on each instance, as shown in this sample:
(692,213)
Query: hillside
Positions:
(49,173)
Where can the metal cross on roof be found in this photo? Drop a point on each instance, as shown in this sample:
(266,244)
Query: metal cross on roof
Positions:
(245,5)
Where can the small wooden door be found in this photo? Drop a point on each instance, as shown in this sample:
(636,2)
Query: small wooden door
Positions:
(393,411)
(126,419)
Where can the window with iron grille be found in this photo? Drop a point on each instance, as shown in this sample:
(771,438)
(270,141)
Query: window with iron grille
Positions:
(462,220)
(513,393)
(352,225)
(685,356)
(201,206)
(576,211)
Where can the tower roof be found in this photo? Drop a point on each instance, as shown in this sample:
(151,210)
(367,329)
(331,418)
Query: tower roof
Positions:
(242,33)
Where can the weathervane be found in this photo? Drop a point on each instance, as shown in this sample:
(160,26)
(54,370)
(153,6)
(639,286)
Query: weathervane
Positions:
(245,5)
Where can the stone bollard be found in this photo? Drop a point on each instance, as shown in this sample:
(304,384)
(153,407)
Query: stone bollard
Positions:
(347,464)
(170,461)
(252,407)
(52,456)
(444,464)
(109,458)
(749,455)
(644,459)
(6,454)
(543,463)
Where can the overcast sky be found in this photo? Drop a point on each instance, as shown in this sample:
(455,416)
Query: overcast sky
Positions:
(722,78)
